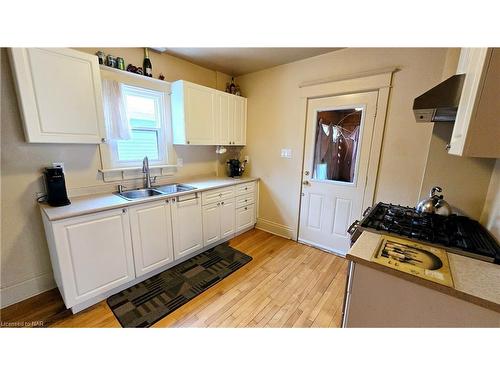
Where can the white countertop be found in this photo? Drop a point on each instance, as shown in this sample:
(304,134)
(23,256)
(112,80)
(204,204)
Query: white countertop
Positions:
(99,202)
(474,280)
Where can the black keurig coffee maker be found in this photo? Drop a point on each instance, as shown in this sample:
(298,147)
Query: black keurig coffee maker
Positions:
(235,168)
(56,187)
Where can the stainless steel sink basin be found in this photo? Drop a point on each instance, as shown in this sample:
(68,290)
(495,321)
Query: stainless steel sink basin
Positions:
(139,194)
(174,188)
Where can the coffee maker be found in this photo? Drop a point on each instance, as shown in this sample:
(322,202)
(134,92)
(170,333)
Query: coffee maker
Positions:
(235,168)
(56,187)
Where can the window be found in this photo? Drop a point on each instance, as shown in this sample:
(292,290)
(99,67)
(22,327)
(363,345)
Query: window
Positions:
(147,117)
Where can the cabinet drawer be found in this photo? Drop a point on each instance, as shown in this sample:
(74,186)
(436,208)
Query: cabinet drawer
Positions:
(245,217)
(213,196)
(245,188)
(245,200)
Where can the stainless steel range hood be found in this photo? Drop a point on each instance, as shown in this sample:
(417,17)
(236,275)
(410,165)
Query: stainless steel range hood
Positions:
(440,103)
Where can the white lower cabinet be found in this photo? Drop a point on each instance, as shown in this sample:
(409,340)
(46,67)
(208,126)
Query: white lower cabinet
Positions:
(218,221)
(151,227)
(211,223)
(187,225)
(93,254)
(245,217)
(227,218)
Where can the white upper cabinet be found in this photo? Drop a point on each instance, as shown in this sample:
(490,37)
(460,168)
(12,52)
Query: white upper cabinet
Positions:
(477,127)
(205,116)
(240,121)
(59,95)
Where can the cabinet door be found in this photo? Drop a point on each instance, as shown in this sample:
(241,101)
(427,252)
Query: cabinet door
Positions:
(245,217)
(59,93)
(240,120)
(187,225)
(227,218)
(200,115)
(211,223)
(95,253)
(225,118)
(151,227)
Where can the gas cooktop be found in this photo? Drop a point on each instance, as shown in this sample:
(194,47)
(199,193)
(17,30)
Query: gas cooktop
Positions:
(458,234)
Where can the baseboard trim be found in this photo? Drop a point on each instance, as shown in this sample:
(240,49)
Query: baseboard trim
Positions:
(26,289)
(276,228)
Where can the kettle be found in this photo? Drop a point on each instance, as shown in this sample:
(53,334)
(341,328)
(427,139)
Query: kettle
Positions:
(435,204)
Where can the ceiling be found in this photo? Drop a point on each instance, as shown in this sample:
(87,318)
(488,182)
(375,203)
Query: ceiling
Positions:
(239,61)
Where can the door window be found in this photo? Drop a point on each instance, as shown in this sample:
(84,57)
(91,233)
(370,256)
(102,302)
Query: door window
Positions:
(336,144)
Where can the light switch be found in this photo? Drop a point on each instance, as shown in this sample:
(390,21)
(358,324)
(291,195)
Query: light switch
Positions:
(286,153)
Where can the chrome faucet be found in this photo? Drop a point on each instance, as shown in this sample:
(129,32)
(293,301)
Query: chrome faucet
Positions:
(147,172)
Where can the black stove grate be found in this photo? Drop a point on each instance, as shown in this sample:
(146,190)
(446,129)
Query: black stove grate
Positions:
(452,231)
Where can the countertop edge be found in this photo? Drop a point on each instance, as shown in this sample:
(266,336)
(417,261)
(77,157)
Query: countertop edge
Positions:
(426,283)
(45,208)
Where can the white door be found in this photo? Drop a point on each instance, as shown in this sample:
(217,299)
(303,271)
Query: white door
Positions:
(187,225)
(227,218)
(151,227)
(211,223)
(240,121)
(95,254)
(200,115)
(59,92)
(336,155)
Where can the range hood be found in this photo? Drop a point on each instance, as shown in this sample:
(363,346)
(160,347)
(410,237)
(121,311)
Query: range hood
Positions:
(440,103)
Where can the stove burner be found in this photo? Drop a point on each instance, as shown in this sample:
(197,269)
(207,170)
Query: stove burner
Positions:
(453,231)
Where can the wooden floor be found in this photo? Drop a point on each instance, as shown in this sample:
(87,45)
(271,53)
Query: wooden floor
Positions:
(287,284)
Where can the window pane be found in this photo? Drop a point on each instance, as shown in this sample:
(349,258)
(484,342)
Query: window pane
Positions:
(142,123)
(140,106)
(336,148)
(143,143)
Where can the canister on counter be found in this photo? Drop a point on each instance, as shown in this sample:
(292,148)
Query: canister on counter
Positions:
(101,56)
(120,63)
(111,61)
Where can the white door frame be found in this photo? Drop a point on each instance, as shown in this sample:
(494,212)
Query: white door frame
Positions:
(364,82)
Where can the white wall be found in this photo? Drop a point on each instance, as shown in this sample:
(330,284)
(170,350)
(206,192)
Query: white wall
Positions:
(491,213)
(274,123)
(25,266)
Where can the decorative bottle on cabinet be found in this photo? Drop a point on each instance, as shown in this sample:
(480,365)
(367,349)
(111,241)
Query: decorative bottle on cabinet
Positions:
(148,68)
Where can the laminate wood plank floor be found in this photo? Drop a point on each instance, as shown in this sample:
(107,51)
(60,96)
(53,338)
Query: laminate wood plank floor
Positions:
(287,284)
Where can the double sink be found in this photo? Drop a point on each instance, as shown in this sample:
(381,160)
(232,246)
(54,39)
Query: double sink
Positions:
(131,195)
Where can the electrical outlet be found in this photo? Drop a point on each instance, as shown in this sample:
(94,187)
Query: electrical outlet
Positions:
(180,162)
(58,164)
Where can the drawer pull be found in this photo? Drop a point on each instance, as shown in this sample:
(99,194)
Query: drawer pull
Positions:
(124,210)
(246,187)
(222,203)
(246,208)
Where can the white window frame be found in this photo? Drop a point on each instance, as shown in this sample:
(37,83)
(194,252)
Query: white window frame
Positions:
(109,149)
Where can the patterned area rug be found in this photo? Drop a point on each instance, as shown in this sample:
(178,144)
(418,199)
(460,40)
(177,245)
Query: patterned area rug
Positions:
(147,302)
